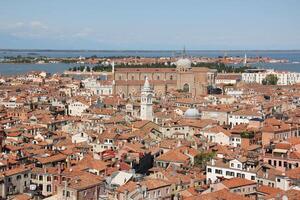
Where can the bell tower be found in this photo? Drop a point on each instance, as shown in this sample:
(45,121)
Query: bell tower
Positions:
(146,101)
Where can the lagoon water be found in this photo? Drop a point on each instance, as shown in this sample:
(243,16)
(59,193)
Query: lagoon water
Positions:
(11,69)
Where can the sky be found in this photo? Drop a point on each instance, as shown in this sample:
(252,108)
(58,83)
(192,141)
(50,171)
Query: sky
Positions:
(150,24)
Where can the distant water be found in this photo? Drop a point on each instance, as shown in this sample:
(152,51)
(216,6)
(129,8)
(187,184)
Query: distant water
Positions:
(15,69)
(10,69)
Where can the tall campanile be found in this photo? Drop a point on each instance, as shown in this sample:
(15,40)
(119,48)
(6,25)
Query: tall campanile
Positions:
(146,101)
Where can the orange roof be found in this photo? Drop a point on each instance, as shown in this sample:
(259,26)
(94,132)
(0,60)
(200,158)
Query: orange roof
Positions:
(14,171)
(290,194)
(237,182)
(149,183)
(268,190)
(89,162)
(52,158)
(178,155)
(22,197)
(83,181)
(223,194)
(293,173)
(219,129)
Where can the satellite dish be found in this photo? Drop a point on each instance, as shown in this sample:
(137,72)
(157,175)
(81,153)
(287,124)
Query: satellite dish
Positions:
(32,187)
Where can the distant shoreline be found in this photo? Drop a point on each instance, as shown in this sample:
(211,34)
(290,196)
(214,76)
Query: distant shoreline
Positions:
(174,50)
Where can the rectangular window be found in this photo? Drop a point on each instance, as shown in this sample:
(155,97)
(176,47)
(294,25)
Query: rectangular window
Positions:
(278,180)
(48,188)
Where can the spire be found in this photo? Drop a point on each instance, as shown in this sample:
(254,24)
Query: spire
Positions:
(146,84)
(184,52)
(245,60)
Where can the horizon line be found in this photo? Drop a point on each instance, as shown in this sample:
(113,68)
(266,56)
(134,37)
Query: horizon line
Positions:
(143,50)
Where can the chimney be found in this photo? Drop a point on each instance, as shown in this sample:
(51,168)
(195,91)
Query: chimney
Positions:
(68,162)
(59,169)
(101,155)
(192,183)
(77,181)
(213,162)
(59,173)
(179,143)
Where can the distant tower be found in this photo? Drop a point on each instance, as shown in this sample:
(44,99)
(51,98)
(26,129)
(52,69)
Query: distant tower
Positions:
(245,60)
(184,52)
(113,67)
(146,101)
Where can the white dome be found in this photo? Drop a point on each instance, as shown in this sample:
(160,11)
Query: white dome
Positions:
(184,63)
(192,113)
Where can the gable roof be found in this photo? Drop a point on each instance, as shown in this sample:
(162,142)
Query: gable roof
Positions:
(237,182)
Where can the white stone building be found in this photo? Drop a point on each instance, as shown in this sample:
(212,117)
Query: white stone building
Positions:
(284,77)
(243,117)
(103,87)
(234,168)
(76,108)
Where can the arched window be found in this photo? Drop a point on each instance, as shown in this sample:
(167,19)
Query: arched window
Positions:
(157,77)
(186,88)
(149,98)
(132,77)
(171,77)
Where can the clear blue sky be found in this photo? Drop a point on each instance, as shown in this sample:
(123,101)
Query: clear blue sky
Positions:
(150,24)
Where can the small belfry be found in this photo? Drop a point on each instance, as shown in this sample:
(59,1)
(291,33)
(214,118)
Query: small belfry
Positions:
(146,101)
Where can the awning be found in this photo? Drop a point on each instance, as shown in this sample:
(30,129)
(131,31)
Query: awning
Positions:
(280,151)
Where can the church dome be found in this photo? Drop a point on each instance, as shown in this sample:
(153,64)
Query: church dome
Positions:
(192,113)
(184,63)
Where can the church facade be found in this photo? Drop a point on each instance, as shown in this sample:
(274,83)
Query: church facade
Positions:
(129,81)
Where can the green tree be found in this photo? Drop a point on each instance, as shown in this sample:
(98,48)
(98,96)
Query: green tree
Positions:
(81,68)
(270,79)
(202,158)
(247,134)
